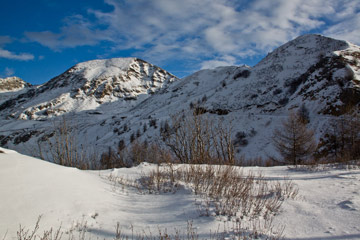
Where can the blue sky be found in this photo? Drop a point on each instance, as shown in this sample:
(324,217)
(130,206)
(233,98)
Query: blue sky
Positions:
(40,39)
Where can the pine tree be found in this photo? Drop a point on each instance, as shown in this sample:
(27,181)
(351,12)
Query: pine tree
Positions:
(294,141)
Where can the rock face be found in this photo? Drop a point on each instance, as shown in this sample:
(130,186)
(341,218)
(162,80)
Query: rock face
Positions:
(110,100)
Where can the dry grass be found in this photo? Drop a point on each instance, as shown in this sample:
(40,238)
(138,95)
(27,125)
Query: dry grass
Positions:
(234,230)
(27,234)
(224,191)
(229,192)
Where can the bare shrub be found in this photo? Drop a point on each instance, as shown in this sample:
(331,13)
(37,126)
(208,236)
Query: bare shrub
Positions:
(289,189)
(162,234)
(224,190)
(240,229)
(27,234)
(65,149)
(112,159)
(193,138)
(341,142)
(231,193)
(134,154)
(140,152)
(157,181)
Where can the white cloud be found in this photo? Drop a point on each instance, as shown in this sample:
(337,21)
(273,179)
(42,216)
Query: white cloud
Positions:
(223,61)
(192,29)
(10,55)
(346,22)
(342,31)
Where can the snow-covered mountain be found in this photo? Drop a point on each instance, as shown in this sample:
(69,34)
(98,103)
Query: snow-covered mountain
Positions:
(88,85)
(110,100)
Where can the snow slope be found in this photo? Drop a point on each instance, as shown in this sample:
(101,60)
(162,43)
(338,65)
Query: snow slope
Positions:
(327,207)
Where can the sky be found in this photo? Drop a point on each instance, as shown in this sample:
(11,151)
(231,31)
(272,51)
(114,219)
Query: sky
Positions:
(40,39)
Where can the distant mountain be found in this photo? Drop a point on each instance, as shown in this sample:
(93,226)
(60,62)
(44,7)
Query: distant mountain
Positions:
(88,85)
(10,87)
(124,95)
(10,84)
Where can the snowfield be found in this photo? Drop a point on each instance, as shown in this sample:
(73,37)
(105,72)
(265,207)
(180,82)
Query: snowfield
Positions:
(327,206)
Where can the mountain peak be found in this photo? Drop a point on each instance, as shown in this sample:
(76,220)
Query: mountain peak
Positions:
(319,41)
(301,53)
(88,85)
(100,69)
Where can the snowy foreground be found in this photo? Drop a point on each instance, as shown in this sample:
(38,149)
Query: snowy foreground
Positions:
(327,206)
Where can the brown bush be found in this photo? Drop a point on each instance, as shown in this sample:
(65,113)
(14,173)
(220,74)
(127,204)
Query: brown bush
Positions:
(197,139)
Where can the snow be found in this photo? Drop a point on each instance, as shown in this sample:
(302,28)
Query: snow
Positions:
(103,68)
(140,91)
(31,187)
(327,206)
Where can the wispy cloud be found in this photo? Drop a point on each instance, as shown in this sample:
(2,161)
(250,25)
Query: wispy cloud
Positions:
(9,72)
(213,32)
(4,40)
(77,31)
(11,55)
(346,22)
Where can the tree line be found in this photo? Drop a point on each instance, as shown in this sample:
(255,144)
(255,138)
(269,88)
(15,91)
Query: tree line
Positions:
(197,139)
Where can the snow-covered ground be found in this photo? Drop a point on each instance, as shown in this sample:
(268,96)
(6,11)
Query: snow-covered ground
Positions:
(327,206)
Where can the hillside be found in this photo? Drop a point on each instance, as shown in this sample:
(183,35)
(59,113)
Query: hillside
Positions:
(107,101)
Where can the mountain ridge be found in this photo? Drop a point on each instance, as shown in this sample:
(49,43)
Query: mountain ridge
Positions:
(312,70)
